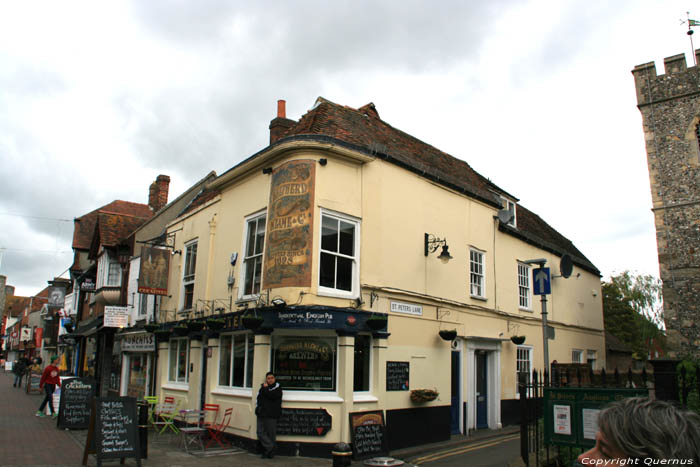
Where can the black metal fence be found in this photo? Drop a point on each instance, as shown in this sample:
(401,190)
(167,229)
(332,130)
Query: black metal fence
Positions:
(533,450)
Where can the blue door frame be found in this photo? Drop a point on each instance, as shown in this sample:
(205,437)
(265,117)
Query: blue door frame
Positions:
(456,384)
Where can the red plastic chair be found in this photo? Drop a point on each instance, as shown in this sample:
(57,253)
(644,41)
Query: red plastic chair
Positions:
(216,431)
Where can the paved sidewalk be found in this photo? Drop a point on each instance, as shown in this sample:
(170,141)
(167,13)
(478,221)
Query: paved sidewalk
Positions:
(26,440)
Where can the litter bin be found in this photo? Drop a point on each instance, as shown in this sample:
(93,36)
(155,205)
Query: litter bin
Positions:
(143,427)
(342,455)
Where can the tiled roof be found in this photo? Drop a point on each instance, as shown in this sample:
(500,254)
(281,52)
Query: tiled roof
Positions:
(15,305)
(85,225)
(362,128)
(201,199)
(112,228)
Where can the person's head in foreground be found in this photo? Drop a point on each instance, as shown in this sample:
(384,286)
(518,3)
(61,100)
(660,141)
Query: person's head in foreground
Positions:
(640,428)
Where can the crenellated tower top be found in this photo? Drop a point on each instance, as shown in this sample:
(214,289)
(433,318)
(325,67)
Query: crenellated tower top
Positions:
(678,80)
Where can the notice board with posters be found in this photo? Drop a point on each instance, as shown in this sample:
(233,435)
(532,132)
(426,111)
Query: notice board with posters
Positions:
(571,414)
(77,396)
(113,431)
(368,434)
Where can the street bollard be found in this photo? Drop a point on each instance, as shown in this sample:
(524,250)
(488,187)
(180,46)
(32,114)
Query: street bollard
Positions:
(143,427)
(342,455)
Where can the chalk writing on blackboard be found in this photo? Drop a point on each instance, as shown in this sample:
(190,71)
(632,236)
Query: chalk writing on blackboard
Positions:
(304,422)
(368,434)
(76,401)
(397,376)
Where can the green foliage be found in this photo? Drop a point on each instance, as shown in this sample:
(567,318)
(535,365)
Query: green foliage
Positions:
(691,382)
(632,310)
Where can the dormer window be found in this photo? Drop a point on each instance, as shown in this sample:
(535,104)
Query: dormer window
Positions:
(509,206)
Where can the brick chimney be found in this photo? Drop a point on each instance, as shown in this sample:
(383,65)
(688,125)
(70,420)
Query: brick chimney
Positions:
(280,124)
(158,193)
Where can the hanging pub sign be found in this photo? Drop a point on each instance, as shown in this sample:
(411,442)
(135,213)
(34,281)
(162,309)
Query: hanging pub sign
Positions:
(116,317)
(290,225)
(153,273)
(304,363)
(57,295)
(87,285)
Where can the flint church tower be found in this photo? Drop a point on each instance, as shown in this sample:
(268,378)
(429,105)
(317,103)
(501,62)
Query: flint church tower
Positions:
(670,107)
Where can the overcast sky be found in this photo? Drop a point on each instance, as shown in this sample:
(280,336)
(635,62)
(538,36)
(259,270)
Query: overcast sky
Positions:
(98,98)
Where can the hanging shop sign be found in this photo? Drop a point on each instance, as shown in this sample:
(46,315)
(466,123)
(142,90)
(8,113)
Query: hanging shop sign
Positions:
(116,317)
(57,296)
(289,241)
(153,271)
(406,308)
(141,342)
(88,284)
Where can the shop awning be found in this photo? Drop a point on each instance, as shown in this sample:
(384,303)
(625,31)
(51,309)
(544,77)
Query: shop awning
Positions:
(87,328)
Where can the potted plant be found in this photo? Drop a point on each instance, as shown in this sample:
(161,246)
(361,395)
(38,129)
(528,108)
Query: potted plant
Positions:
(517,340)
(195,325)
(448,334)
(181,329)
(377,321)
(151,327)
(252,321)
(424,395)
(69,326)
(216,323)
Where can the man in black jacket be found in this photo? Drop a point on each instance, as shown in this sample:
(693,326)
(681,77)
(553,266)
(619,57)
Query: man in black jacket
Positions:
(268,410)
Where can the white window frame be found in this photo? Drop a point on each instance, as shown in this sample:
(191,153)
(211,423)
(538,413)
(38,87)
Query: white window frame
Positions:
(113,280)
(591,357)
(574,353)
(524,287)
(518,364)
(249,347)
(254,218)
(143,305)
(510,206)
(188,279)
(477,269)
(354,289)
(174,378)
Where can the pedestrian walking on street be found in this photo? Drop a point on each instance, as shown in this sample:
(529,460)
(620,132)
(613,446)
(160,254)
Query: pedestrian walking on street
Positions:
(640,429)
(49,380)
(268,409)
(19,369)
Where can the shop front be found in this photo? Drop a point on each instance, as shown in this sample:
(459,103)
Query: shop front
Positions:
(136,363)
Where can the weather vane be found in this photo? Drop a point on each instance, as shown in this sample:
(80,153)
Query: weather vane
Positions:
(691,23)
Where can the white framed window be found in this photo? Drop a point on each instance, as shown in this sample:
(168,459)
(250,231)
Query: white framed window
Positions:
(253,248)
(143,304)
(114,274)
(524,290)
(339,255)
(179,363)
(576,356)
(236,352)
(305,362)
(523,366)
(477,285)
(189,275)
(509,206)
(362,365)
(591,358)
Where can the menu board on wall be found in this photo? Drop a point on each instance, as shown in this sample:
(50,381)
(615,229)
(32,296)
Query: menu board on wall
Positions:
(397,376)
(368,434)
(76,400)
(304,422)
(289,241)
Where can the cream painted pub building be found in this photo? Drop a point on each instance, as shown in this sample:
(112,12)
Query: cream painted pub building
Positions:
(343,221)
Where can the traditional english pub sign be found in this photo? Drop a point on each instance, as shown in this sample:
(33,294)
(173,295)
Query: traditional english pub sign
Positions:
(153,273)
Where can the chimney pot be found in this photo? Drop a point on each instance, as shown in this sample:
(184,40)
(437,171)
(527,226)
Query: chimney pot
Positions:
(280,124)
(281,108)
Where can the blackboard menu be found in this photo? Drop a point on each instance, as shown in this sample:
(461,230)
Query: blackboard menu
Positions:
(304,422)
(116,428)
(397,375)
(368,434)
(33,383)
(76,401)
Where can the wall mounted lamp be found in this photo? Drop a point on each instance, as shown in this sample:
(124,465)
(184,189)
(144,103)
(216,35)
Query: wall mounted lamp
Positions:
(432,243)
(267,170)
(278,302)
(323,161)
(177,252)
